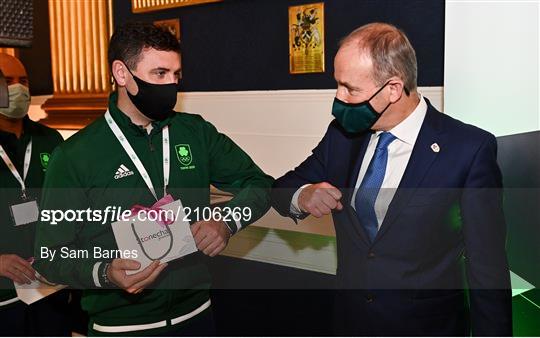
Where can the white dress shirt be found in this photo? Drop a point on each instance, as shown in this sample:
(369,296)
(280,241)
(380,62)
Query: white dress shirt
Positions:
(399,153)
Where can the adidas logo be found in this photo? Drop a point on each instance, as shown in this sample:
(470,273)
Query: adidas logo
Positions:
(122,171)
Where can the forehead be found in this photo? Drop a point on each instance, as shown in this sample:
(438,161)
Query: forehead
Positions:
(151,58)
(11,66)
(352,62)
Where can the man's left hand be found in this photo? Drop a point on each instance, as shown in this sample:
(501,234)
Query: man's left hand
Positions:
(211,237)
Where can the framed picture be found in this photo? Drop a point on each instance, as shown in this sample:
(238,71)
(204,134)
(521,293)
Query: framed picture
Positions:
(141,6)
(172,25)
(306,38)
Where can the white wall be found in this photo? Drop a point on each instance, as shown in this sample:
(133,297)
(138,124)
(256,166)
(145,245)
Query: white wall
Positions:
(492,69)
(492,64)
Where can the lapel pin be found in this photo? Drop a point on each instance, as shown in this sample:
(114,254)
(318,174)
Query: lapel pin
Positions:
(435,147)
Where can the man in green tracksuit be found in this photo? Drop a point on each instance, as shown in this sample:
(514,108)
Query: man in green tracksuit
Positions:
(119,160)
(25,149)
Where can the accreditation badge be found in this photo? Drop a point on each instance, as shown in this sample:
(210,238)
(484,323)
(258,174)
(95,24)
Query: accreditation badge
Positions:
(25,212)
(156,233)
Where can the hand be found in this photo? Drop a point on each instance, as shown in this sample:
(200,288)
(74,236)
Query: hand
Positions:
(135,283)
(17,269)
(320,199)
(211,237)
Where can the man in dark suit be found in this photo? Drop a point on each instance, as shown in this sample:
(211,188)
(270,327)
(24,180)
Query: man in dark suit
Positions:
(415,196)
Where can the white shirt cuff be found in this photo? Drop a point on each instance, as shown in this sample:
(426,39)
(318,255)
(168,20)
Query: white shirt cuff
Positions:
(95,275)
(295,209)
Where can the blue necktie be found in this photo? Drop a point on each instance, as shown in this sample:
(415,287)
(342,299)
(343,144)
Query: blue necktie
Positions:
(371,184)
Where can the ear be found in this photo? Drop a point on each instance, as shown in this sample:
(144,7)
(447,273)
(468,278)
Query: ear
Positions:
(397,90)
(119,72)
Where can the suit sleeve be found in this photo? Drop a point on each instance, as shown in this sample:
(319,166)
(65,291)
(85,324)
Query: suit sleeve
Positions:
(312,170)
(485,255)
(232,170)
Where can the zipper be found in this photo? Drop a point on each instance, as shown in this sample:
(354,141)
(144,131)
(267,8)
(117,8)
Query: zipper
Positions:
(150,143)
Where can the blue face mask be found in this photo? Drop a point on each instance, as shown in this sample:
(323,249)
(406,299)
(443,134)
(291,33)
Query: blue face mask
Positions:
(357,117)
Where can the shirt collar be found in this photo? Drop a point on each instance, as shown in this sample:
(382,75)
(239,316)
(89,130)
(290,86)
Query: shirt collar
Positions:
(407,130)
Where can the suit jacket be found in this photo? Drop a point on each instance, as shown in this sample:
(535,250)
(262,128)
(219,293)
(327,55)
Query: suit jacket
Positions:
(438,261)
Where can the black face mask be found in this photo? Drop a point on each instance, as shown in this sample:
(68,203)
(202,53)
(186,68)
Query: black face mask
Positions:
(155,101)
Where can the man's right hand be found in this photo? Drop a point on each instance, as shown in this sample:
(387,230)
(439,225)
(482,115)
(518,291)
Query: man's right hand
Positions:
(320,199)
(135,283)
(17,269)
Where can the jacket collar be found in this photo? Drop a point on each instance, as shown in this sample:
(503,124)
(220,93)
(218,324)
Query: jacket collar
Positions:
(425,152)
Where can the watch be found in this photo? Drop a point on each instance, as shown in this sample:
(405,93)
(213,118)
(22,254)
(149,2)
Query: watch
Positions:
(104,279)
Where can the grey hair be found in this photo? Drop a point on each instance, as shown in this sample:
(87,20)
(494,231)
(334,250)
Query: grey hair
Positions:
(390,51)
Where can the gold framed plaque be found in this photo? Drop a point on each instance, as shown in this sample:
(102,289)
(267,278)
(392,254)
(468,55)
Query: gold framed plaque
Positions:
(172,25)
(306,38)
(141,6)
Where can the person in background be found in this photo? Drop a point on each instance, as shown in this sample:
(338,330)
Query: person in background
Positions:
(25,149)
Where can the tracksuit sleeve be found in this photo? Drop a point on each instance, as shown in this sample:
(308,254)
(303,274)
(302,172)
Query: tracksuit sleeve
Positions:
(232,170)
(62,191)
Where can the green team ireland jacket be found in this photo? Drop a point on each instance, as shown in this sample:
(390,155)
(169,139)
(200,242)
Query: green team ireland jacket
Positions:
(20,240)
(92,170)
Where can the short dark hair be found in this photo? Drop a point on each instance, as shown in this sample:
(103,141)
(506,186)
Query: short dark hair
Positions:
(130,39)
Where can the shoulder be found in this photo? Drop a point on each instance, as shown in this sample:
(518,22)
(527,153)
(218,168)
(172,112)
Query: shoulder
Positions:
(194,123)
(86,139)
(459,131)
(188,120)
(49,135)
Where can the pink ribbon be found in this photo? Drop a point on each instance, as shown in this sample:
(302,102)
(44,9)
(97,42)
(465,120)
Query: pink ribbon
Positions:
(156,207)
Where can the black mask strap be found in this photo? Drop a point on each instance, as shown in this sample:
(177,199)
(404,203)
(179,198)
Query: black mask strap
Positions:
(378,91)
